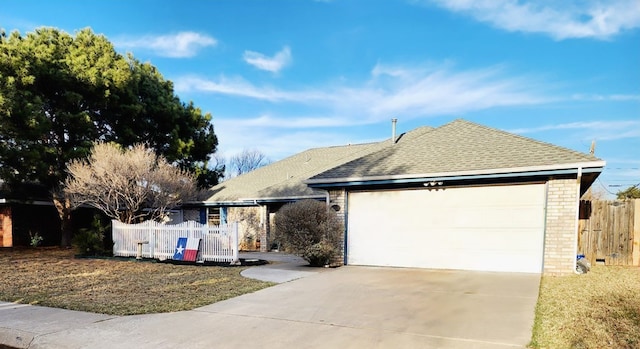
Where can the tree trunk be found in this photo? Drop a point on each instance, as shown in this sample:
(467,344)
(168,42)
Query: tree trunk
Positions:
(63,206)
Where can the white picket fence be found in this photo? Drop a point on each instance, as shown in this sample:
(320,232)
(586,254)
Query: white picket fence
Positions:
(219,243)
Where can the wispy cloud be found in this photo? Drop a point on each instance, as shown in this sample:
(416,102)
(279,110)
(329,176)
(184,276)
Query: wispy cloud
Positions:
(598,97)
(558,19)
(442,91)
(601,130)
(280,142)
(410,92)
(273,64)
(267,120)
(239,87)
(179,45)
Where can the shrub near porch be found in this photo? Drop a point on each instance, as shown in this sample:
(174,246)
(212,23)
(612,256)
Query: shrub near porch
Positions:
(310,229)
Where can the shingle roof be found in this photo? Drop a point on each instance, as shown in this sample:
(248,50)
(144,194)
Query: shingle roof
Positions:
(285,178)
(460,146)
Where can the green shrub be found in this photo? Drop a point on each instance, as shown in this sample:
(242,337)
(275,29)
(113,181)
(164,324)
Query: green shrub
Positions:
(91,241)
(310,229)
(36,239)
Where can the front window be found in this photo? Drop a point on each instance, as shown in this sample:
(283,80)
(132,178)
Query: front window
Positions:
(213,216)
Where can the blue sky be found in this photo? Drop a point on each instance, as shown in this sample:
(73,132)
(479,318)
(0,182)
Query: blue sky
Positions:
(284,76)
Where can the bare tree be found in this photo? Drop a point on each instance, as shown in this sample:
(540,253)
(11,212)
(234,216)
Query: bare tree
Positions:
(123,182)
(245,161)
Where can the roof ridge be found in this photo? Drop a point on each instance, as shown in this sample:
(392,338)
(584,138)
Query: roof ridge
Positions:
(340,146)
(305,174)
(458,146)
(518,136)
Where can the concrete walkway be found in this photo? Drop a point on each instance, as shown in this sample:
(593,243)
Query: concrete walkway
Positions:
(347,307)
(282,267)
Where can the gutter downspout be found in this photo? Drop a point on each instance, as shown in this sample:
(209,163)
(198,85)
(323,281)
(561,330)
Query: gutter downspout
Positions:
(577,219)
(544,239)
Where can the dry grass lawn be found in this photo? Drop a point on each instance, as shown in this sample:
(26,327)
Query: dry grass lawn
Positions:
(53,277)
(600,309)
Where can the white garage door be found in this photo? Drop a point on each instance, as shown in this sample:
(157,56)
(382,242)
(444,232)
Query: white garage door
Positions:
(496,228)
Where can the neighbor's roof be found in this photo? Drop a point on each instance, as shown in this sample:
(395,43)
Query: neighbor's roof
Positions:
(460,147)
(285,178)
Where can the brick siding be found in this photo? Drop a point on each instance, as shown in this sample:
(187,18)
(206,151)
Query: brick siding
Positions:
(249,227)
(337,200)
(560,236)
(6,232)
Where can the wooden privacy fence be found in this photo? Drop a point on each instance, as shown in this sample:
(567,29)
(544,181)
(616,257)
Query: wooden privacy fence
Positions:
(609,231)
(218,243)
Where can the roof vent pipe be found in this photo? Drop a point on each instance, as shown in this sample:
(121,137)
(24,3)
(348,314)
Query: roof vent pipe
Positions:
(394,121)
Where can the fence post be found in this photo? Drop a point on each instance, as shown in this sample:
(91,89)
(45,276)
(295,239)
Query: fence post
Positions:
(152,243)
(113,235)
(234,243)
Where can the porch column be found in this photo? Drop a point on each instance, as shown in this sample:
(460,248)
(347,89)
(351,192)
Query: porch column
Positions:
(265,229)
(223,215)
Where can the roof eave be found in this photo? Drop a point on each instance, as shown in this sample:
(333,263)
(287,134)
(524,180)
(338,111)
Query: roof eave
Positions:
(219,203)
(257,201)
(592,166)
(285,198)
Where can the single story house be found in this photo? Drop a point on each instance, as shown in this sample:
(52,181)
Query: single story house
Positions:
(459,196)
(253,198)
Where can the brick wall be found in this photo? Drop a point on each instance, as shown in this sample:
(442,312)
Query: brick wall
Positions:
(560,237)
(337,201)
(249,225)
(6,233)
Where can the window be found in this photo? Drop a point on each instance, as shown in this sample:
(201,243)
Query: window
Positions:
(213,217)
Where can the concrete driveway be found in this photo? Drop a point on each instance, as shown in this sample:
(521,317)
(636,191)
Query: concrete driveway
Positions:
(348,307)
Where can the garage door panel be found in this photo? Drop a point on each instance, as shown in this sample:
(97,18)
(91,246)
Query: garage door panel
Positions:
(494,217)
(481,228)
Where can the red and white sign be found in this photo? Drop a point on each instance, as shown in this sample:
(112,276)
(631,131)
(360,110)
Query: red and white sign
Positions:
(187,249)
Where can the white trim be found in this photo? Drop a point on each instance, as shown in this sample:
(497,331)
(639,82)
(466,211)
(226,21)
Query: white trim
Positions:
(26,202)
(251,201)
(283,198)
(591,164)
